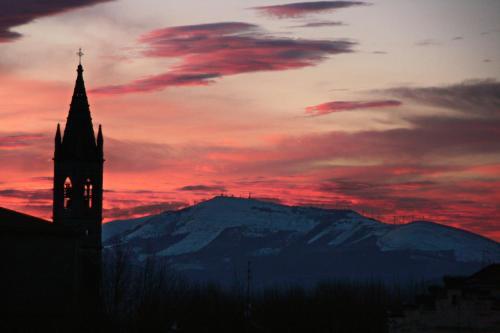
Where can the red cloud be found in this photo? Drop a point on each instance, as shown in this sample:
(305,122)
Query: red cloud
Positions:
(38,195)
(210,51)
(16,141)
(339,106)
(299,9)
(303,170)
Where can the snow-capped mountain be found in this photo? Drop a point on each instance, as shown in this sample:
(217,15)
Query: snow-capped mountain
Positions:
(214,240)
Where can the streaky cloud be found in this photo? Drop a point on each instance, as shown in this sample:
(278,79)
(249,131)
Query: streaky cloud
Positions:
(203,188)
(340,106)
(158,82)
(19,140)
(428,42)
(299,9)
(320,24)
(37,195)
(474,97)
(142,210)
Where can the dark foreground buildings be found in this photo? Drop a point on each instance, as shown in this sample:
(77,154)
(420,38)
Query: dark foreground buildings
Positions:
(51,272)
(461,304)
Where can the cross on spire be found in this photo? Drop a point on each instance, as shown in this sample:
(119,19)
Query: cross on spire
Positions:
(79,54)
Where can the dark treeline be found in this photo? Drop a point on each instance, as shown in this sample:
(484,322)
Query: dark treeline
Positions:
(153,298)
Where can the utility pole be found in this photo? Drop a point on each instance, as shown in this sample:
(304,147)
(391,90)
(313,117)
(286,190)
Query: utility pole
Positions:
(248,304)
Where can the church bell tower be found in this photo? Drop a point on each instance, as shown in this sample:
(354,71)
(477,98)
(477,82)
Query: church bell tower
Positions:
(78,170)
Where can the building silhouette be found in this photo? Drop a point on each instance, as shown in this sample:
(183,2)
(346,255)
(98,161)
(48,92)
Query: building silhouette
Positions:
(460,304)
(78,174)
(52,271)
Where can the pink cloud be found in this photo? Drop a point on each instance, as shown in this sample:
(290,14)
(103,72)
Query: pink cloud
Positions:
(340,106)
(211,51)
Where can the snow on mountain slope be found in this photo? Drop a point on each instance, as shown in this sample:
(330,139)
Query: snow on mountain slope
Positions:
(201,224)
(113,228)
(433,237)
(351,229)
(268,228)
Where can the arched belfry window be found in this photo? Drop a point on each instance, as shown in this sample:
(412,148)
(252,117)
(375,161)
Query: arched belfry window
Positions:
(88,193)
(68,193)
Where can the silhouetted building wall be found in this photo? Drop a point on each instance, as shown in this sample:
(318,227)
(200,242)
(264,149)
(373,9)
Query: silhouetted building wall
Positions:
(40,263)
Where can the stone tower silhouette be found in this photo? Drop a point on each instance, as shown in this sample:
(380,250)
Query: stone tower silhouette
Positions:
(77,206)
(78,170)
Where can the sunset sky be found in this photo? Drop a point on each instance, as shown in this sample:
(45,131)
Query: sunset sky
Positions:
(388,107)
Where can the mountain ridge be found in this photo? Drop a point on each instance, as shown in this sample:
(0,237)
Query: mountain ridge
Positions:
(209,239)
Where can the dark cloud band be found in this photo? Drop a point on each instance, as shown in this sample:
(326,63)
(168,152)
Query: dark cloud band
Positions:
(479,97)
(298,9)
(14,13)
(203,188)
